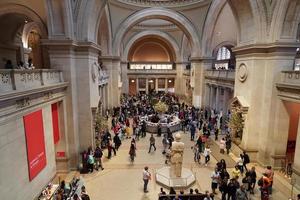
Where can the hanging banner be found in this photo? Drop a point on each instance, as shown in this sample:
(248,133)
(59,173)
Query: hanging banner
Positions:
(35,142)
(55,122)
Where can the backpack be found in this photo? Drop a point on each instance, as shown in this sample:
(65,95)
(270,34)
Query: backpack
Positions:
(260,182)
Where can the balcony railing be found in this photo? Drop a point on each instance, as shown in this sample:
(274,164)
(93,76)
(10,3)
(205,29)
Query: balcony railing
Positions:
(22,80)
(220,74)
(290,78)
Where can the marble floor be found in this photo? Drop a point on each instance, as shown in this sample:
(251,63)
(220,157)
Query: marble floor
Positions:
(123,180)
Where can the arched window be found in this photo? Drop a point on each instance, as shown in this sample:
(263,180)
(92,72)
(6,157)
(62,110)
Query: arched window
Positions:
(224,59)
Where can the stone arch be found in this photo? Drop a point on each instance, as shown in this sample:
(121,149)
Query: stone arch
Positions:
(26,11)
(162,35)
(28,28)
(105,23)
(157,13)
(250,18)
(88,19)
(227,44)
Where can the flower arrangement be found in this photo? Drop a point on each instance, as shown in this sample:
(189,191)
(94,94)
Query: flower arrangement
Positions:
(161,107)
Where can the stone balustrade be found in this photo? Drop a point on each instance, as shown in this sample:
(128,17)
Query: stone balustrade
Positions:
(21,80)
(290,78)
(151,71)
(220,74)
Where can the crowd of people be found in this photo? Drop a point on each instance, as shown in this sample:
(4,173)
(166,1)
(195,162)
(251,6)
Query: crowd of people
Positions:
(20,65)
(203,125)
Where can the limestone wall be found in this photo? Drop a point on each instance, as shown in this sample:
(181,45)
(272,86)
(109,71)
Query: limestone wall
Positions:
(14,181)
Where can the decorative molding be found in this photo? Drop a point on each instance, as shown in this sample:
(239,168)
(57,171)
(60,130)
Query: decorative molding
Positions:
(242,72)
(21,103)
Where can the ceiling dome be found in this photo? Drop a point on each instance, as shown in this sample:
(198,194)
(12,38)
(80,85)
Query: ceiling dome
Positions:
(161,3)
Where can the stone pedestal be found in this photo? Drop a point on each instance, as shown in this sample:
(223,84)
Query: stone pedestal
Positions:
(164,178)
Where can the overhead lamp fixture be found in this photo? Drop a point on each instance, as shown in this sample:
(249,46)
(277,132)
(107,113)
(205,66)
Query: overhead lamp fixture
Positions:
(132,81)
(151,81)
(170,81)
(25,21)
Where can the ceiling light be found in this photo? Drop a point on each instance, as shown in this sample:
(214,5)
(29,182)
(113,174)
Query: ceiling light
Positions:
(170,81)
(132,81)
(150,81)
(25,21)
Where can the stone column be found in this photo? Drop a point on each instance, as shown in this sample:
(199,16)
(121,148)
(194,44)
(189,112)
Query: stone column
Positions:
(166,84)
(179,80)
(217,98)
(125,80)
(78,65)
(211,96)
(112,64)
(198,67)
(207,94)
(225,100)
(257,71)
(147,86)
(156,84)
(137,85)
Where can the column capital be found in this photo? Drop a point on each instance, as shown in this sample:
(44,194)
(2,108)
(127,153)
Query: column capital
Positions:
(110,58)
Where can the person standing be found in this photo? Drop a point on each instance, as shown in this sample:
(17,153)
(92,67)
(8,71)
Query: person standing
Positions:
(241,193)
(222,145)
(252,174)
(215,177)
(152,143)
(193,131)
(98,155)
(117,141)
(143,128)
(146,178)
(159,129)
(228,144)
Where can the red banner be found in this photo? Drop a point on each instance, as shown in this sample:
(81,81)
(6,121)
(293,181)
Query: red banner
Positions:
(55,122)
(36,154)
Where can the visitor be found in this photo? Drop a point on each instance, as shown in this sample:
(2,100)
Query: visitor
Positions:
(8,65)
(117,142)
(207,196)
(252,174)
(246,160)
(232,187)
(165,143)
(298,197)
(84,195)
(76,197)
(241,193)
(158,129)
(146,178)
(152,143)
(223,187)
(197,191)
(215,177)
(91,162)
(236,173)
(206,153)
(270,174)
(222,145)
(197,154)
(228,143)
(132,152)
(172,191)
(110,148)
(264,183)
(240,164)
(191,191)
(143,128)
(193,131)
(98,155)
(162,192)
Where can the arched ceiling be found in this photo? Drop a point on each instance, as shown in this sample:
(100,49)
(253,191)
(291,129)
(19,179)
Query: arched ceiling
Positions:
(151,49)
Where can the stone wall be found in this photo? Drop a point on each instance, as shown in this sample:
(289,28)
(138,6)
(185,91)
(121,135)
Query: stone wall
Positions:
(14,181)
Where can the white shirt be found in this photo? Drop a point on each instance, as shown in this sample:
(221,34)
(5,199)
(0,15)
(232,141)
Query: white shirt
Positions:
(146,175)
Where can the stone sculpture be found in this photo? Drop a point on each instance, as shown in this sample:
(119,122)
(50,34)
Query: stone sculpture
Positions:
(176,156)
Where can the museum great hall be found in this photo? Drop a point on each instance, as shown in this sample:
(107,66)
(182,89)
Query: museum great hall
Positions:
(64,63)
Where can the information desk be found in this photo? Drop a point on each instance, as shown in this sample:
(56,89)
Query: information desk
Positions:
(174,125)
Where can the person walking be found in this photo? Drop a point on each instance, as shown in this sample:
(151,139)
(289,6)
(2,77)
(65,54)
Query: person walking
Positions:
(152,143)
(215,177)
(246,160)
(193,131)
(228,144)
(146,178)
(132,152)
(165,143)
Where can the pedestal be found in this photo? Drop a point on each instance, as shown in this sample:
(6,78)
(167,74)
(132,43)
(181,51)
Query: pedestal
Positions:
(163,177)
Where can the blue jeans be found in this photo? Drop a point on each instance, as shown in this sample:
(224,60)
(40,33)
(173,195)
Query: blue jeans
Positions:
(145,184)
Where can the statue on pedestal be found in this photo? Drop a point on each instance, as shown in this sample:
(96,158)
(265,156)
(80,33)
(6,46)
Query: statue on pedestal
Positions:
(176,156)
